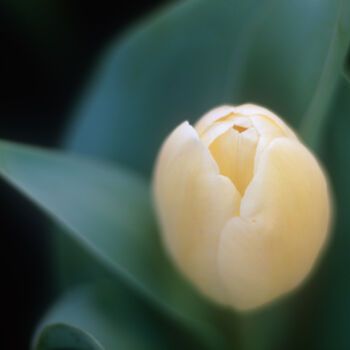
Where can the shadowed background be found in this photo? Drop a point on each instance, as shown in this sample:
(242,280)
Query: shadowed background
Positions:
(48,49)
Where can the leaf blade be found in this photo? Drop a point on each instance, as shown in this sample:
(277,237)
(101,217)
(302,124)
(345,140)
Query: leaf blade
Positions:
(83,197)
(198,54)
(58,336)
(113,317)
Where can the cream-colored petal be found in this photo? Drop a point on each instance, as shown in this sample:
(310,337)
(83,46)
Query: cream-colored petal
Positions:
(218,128)
(244,122)
(212,116)
(193,202)
(234,153)
(266,127)
(213,132)
(284,214)
(268,131)
(251,109)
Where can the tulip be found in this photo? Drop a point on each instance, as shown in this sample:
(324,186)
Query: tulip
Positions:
(243,205)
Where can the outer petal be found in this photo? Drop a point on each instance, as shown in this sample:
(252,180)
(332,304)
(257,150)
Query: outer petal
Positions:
(212,116)
(251,109)
(194,203)
(282,226)
(243,110)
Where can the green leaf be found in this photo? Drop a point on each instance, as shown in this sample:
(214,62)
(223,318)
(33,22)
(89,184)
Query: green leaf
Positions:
(197,54)
(72,263)
(314,121)
(334,303)
(328,307)
(107,211)
(108,314)
(60,336)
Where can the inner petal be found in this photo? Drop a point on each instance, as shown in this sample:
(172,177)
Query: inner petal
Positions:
(234,152)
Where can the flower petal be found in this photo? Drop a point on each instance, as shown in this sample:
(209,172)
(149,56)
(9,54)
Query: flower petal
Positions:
(234,153)
(250,109)
(194,203)
(212,116)
(284,214)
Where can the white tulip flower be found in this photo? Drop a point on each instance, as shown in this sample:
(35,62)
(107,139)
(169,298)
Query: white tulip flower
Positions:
(243,205)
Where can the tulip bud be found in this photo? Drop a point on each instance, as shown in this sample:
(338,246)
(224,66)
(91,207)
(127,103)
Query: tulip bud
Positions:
(243,205)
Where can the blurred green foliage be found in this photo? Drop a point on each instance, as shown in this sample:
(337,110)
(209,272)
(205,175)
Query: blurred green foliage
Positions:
(113,313)
(63,336)
(175,65)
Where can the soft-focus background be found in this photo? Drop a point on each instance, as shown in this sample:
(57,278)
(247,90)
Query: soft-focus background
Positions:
(48,50)
(292,56)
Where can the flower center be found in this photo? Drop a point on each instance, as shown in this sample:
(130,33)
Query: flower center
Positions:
(234,152)
(239,128)
(237,142)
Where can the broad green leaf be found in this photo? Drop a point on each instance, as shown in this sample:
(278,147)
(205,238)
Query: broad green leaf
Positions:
(110,315)
(328,307)
(58,336)
(194,55)
(107,211)
(338,45)
(72,263)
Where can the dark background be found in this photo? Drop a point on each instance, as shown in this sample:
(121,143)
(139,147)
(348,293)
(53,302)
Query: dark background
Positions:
(48,50)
